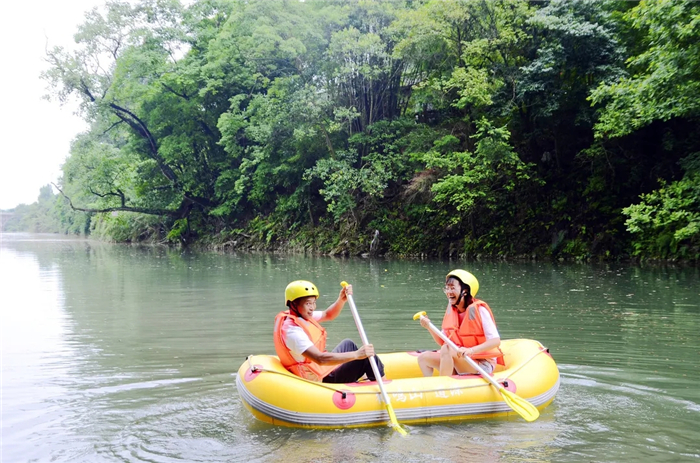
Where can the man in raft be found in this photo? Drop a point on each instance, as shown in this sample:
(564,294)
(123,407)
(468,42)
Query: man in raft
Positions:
(469,323)
(300,340)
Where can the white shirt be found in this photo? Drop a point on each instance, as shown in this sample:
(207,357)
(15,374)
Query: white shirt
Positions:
(490,330)
(296,338)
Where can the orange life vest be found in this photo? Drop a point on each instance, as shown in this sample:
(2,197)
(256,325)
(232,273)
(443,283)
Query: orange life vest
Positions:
(316,333)
(471,332)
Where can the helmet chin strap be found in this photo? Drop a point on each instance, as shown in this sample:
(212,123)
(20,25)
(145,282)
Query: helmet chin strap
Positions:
(459,299)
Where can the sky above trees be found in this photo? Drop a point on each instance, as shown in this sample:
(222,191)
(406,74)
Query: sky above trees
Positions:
(36,133)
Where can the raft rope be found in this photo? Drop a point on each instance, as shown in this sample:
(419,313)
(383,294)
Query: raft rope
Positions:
(522,365)
(255,369)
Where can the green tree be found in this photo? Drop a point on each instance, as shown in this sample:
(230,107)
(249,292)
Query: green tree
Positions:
(473,50)
(353,183)
(663,78)
(658,96)
(151,140)
(479,178)
(451,126)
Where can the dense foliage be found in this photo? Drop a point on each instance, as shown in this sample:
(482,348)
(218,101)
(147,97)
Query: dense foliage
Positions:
(49,214)
(471,127)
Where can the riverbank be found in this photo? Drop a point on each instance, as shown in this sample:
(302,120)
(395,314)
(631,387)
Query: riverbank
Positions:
(334,244)
(328,239)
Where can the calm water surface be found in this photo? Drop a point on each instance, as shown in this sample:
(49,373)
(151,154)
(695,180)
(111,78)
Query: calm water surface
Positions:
(122,353)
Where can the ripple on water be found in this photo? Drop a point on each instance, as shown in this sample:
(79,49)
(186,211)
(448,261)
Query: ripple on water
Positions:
(622,415)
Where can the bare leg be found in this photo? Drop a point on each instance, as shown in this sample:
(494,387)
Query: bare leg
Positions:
(429,361)
(463,367)
(447,364)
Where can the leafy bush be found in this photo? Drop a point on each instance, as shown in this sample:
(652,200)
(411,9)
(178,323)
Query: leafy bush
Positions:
(126,227)
(666,223)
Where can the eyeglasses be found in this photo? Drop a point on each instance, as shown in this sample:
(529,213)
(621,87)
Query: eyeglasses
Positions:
(450,289)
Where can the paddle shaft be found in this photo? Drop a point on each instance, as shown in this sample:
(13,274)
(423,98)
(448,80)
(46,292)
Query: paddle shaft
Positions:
(474,365)
(363,336)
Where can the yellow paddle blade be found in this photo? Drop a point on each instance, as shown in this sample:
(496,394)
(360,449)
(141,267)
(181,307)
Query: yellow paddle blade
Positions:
(394,421)
(524,408)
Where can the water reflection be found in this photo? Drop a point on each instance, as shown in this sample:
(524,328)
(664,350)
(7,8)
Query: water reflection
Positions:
(125,353)
(36,359)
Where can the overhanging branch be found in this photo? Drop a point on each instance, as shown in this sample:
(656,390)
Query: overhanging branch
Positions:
(142,210)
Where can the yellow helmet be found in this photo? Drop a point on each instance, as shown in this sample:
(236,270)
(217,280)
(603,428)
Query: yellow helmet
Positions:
(299,288)
(466,278)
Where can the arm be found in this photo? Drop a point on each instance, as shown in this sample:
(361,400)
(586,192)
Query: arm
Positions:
(493,339)
(486,345)
(334,310)
(424,322)
(337,358)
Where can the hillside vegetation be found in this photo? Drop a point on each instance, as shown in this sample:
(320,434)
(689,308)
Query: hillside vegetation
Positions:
(564,129)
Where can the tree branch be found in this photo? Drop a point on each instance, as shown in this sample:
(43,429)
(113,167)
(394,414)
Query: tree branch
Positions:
(112,126)
(140,127)
(170,213)
(172,90)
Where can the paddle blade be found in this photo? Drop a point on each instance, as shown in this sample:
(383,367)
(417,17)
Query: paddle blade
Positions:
(394,421)
(524,408)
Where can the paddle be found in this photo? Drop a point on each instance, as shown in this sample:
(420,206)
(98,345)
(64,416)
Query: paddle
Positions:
(373,363)
(514,401)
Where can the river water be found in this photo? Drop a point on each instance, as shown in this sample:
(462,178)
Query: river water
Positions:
(122,353)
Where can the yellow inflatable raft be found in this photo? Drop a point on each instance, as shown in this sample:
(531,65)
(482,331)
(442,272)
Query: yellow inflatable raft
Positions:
(275,396)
